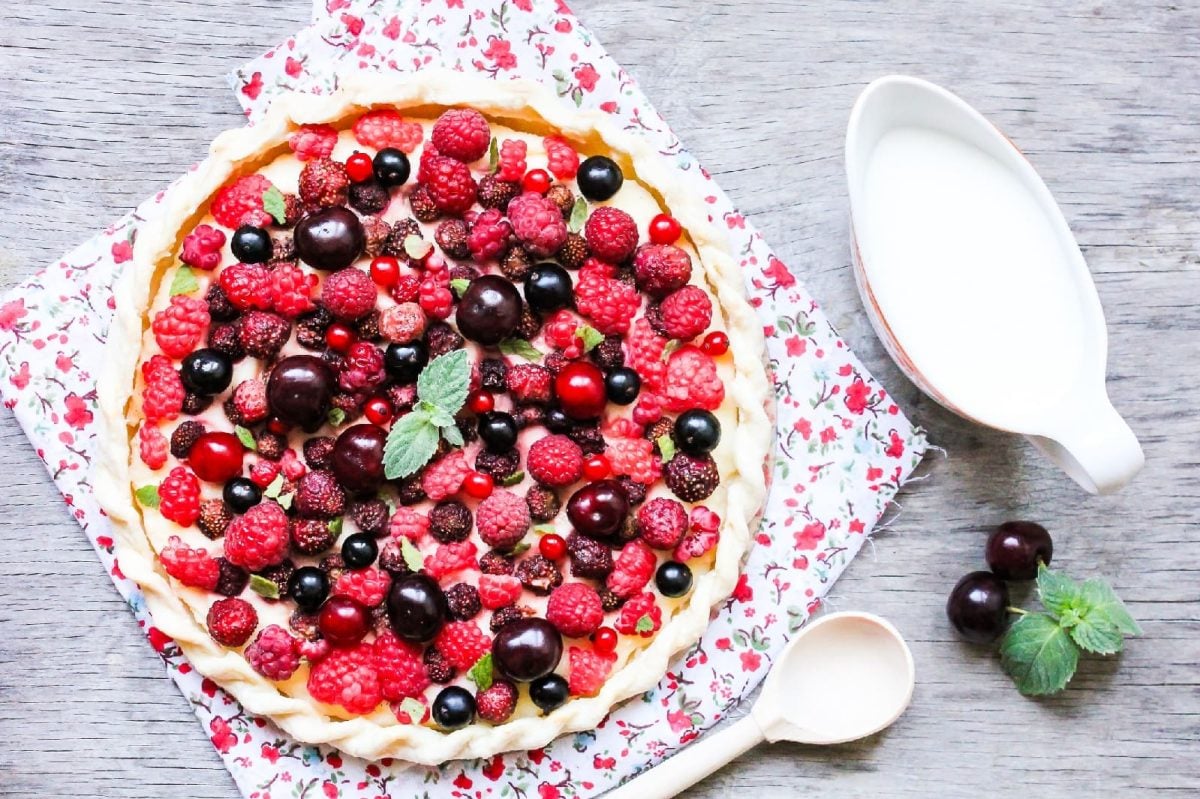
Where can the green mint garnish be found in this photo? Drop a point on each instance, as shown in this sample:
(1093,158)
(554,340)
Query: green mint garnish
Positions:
(481,672)
(413,709)
(493,155)
(285,501)
(274,487)
(336,417)
(184,281)
(444,382)
(416,247)
(544,529)
(578,215)
(148,496)
(591,337)
(441,392)
(246,437)
(666,447)
(264,587)
(512,480)
(459,285)
(645,624)
(520,548)
(412,555)
(520,348)
(410,444)
(335,525)
(275,205)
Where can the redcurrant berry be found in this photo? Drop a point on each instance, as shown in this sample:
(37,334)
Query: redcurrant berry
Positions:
(580,389)
(536,180)
(664,229)
(604,640)
(715,343)
(552,546)
(339,337)
(385,271)
(378,411)
(359,167)
(278,427)
(596,467)
(478,485)
(481,402)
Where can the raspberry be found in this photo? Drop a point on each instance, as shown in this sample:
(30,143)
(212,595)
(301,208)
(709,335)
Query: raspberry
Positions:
(498,590)
(247,286)
(436,298)
(232,580)
(462,643)
(686,313)
(691,477)
(559,330)
(231,621)
(449,558)
(324,182)
(644,350)
(348,293)
(408,523)
(368,586)
(152,446)
(349,678)
(192,567)
(202,247)
(258,538)
(691,381)
(589,669)
(529,382)
(310,536)
(449,183)
(291,290)
(313,141)
(274,653)
(263,473)
(461,133)
(662,522)
(640,616)
(661,269)
(512,160)
(376,232)
(488,239)
(562,158)
(162,394)
(241,202)
(702,536)
(250,399)
(635,458)
(555,461)
(318,495)
(574,608)
(463,601)
(362,370)
(589,558)
(632,570)
(495,562)
(401,671)
(263,334)
(611,234)
(538,223)
(179,327)
(179,496)
(437,668)
(502,519)
(214,518)
(607,302)
(386,128)
(444,477)
(497,193)
(497,703)
(450,521)
(369,516)
(538,574)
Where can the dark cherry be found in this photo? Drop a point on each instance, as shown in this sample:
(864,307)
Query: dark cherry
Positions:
(548,287)
(489,310)
(300,389)
(498,430)
(453,708)
(343,621)
(241,494)
(216,456)
(308,587)
(416,607)
(549,692)
(206,372)
(359,551)
(580,389)
(673,579)
(622,385)
(978,607)
(1015,548)
(251,245)
(357,458)
(391,167)
(599,178)
(404,362)
(526,649)
(331,238)
(697,432)
(598,509)
(556,421)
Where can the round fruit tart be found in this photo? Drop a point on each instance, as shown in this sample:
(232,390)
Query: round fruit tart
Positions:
(435,417)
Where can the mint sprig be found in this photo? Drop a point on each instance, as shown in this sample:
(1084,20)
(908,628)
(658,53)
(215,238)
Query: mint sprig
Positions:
(441,392)
(1041,651)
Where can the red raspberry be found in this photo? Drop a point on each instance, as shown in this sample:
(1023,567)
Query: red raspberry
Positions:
(555,461)
(611,234)
(362,370)
(444,477)
(640,616)
(563,160)
(450,558)
(691,382)
(632,569)
(231,621)
(179,497)
(247,286)
(634,457)
(703,535)
(661,269)
(263,334)
(291,290)
(368,586)
(202,247)
(502,519)
(324,182)
(538,223)
(529,382)
(313,141)
(258,538)
(349,293)
(449,182)
(686,313)
(488,237)
(662,522)
(179,327)
(691,477)
(241,202)
(462,133)
(462,643)
(497,703)
(386,128)
(575,609)
(349,678)
(274,653)
(400,668)
(609,303)
(559,329)
(408,523)
(264,472)
(402,323)
(498,590)
(162,394)
(192,567)
(644,354)
(319,496)
(152,446)
(407,288)
(589,670)
(293,468)
(512,160)
(435,298)
(250,400)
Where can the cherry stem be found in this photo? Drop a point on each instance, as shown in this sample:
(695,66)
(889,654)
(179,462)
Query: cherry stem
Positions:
(1018,611)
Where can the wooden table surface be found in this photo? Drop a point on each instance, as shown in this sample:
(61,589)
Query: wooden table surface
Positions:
(102,102)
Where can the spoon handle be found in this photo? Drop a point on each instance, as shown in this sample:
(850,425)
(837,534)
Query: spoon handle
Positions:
(693,763)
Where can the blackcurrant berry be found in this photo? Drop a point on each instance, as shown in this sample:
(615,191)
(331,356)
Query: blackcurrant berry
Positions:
(241,494)
(622,385)
(498,431)
(404,362)
(599,178)
(548,288)
(548,692)
(359,551)
(206,371)
(251,245)
(697,432)
(453,708)
(391,167)
(308,587)
(673,579)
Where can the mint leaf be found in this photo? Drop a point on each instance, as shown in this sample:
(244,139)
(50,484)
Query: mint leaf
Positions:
(520,549)
(1058,592)
(246,437)
(336,416)
(493,155)
(285,501)
(335,525)
(410,444)
(439,417)
(148,496)
(459,285)
(1038,654)
(1097,635)
(413,709)
(275,205)
(578,215)
(452,434)
(512,480)
(544,529)
(666,447)
(1103,602)
(274,487)
(264,587)
(645,624)
(444,381)
(184,281)
(591,337)
(481,672)
(416,247)
(520,348)
(412,555)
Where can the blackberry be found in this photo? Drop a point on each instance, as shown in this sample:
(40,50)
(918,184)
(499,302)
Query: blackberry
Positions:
(279,574)
(333,566)
(194,404)
(409,490)
(184,437)
(437,668)
(450,521)
(367,328)
(369,197)
(231,411)
(451,236)
(304,624)
(608,353)
(573,252)
(656,430)
(219,306)
(463,601)
(610,601)
(555,361)
(626,275)
(529,416)
(283,248)
(691,477)
(589,558)
(635,492)
(381,621)
(347,403)
(498,465)
(464,272)
(655,318)
(310,536)
(507,615)
(215,517)
(319,317)
(376,232)
(270,445)
(440,339)
(589,439)
(538,574)
(400,231)
(391,559)
(496,562)
(310,337)
(231,580)
(402,398)
(493,375)
(543,503)
(516,264)
(370,516)
(318,451)
(423,206)
(467,426)
(496,193)
(563,197)
(224,339)
(629,529)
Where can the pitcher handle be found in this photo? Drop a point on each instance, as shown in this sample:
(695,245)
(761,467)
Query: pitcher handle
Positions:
(1095,447)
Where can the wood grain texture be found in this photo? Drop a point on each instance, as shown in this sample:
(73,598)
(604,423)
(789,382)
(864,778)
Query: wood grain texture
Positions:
(101,103)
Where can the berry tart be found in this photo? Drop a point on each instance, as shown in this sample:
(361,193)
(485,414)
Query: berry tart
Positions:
(435,419)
